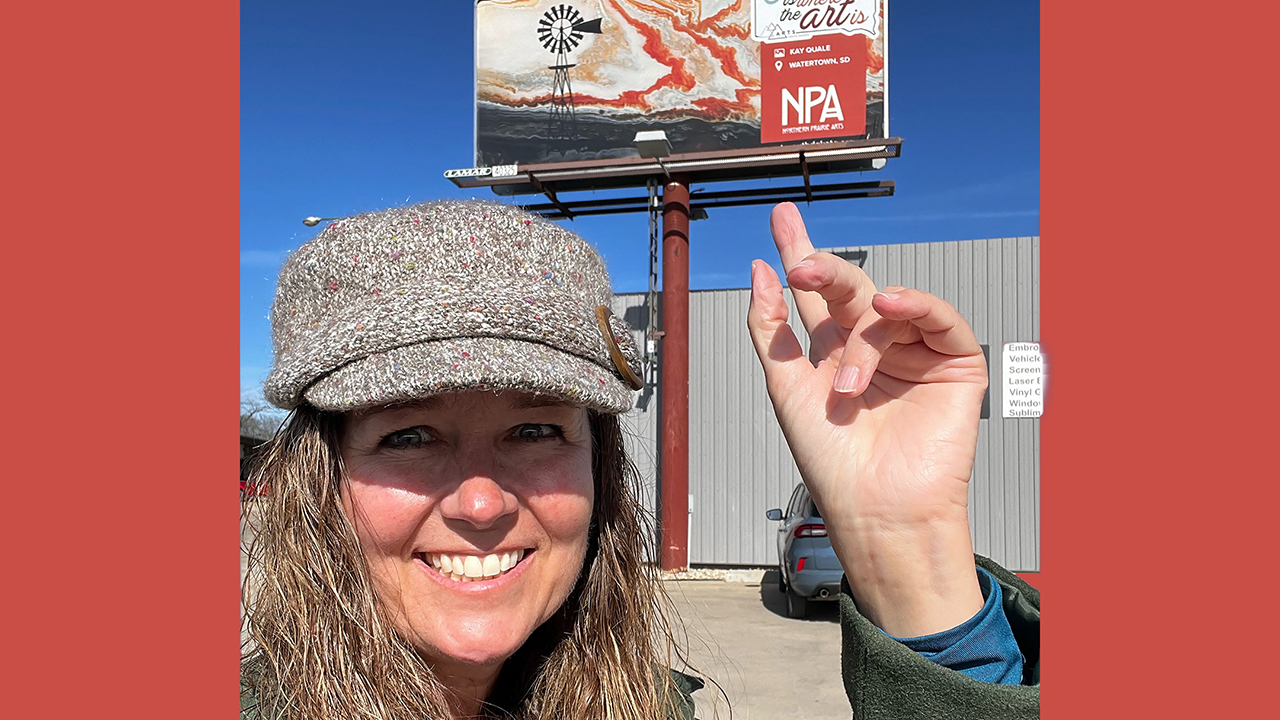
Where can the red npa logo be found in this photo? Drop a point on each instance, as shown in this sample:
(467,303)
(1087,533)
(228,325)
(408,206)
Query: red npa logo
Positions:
(813,88)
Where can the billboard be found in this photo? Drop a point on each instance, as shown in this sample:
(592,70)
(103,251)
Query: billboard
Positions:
(561,81)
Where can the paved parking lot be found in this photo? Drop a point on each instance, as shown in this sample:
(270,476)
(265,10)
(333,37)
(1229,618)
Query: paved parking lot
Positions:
(767,665)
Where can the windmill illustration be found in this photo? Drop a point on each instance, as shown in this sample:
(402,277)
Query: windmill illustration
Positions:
(560,30)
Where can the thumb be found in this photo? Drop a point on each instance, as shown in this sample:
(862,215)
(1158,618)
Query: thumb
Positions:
(784,362)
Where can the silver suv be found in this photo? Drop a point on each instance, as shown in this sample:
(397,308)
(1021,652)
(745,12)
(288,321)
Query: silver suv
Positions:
(810,570)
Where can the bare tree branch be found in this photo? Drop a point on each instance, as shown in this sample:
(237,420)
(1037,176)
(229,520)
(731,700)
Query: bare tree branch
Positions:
(259,419)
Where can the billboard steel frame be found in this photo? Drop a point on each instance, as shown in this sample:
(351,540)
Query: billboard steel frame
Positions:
(552,180)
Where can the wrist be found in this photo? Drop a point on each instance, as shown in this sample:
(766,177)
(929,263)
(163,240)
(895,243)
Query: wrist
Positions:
(910,579)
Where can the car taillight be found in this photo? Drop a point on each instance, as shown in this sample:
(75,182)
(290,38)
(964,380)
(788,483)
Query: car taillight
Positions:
(811,531)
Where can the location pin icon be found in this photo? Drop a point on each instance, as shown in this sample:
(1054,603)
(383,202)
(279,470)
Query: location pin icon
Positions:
(777,65)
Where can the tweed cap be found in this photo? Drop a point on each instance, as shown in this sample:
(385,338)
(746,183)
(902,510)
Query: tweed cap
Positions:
(444,297)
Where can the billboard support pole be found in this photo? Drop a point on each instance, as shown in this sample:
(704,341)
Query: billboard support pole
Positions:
(674,379)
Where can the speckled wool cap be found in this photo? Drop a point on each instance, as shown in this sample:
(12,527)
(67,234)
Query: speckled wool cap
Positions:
(444,297)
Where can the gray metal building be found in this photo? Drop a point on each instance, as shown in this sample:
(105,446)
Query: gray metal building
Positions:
(739,463)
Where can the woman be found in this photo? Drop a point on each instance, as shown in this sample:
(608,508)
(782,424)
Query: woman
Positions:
(453,527)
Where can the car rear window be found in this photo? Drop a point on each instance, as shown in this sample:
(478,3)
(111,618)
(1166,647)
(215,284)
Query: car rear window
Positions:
(812,511)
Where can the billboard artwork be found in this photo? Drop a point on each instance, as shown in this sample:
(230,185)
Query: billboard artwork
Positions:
(574,80)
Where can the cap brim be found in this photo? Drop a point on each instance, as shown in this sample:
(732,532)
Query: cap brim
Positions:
(466,364)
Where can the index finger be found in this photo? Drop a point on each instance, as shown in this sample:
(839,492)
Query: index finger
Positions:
(792,239)
(939,324)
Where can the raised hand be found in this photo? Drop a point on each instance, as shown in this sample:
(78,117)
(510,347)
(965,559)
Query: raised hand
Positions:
(882,419)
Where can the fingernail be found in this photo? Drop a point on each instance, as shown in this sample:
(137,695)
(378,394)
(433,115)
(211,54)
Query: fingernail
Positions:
(890,296)
(805,263)
(846,379)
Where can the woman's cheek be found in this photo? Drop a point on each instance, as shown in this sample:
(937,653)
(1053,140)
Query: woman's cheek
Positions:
(385,515)
(564,496)
(575,514)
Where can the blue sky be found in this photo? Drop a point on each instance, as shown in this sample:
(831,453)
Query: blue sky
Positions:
(350,107)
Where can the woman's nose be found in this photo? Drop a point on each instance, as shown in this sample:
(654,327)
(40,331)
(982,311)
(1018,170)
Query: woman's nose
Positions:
(479,500)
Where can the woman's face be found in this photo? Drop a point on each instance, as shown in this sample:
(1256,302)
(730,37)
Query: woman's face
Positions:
(487,481)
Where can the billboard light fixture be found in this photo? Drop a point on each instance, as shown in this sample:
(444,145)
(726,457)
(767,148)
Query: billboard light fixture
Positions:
(652,144)
(314,221)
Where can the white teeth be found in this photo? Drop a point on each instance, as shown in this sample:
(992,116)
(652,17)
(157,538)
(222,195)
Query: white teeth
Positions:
(467,568)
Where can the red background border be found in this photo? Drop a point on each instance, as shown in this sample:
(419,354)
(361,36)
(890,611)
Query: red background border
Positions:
(119,274)
(121,219)
(1155,488)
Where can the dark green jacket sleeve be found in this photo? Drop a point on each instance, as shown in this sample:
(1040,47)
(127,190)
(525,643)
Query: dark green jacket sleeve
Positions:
(680,695)
(884,679)
(248,694)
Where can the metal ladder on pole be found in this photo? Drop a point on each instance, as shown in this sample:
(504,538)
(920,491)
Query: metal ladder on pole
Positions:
(651,334)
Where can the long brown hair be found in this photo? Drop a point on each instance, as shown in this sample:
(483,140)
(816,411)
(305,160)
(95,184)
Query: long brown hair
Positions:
(322,646)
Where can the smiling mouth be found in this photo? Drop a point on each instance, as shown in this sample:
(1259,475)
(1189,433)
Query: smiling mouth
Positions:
(471,568)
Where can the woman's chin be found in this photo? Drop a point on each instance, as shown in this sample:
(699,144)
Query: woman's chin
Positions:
(474,655)
(476,648)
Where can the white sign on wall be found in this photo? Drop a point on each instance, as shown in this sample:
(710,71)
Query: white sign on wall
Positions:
(788,20)
(1023,380)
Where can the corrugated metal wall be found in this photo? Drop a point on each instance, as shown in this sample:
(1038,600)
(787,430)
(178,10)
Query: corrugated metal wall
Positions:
(739,463)
(641,423)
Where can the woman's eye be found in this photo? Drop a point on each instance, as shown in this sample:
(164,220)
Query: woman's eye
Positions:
(408,438)
(537,432)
